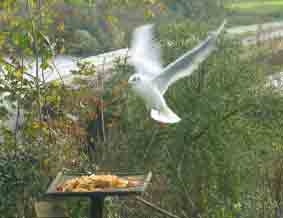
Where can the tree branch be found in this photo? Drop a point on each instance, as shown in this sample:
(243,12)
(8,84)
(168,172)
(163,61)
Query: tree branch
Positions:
(158,209)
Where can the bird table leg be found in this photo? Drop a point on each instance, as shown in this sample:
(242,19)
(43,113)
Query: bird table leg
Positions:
(96,207)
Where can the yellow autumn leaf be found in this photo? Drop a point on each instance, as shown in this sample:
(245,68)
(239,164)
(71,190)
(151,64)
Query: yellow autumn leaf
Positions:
(45,163)
(148,13)
(35,125)
(61,27)
(55,83)
(112,20)
(19,74)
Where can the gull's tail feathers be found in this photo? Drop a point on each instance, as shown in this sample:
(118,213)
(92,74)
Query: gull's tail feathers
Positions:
(167,116)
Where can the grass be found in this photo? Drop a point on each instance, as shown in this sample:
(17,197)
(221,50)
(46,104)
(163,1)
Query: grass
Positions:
(258,7)
(255,11)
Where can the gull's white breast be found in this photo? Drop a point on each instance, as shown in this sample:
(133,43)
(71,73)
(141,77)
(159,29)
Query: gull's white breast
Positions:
(150,94)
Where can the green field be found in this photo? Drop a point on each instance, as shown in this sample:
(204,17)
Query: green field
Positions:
(250,12)
(258,7)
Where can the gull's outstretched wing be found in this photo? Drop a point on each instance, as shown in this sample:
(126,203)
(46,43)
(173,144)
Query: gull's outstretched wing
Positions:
(187,63)
(145,52)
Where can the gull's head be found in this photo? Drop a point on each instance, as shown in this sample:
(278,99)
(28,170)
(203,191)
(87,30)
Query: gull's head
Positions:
(134,79)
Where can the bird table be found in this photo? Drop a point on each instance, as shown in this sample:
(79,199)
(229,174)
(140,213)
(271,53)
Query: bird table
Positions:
(97,197)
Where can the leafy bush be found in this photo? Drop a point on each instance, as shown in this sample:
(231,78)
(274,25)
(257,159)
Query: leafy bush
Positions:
(21,181)
(83,43)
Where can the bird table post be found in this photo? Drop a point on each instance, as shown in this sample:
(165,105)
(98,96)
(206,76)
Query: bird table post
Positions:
(96,207)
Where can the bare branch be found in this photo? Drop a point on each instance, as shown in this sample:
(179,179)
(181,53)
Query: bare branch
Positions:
(153,206)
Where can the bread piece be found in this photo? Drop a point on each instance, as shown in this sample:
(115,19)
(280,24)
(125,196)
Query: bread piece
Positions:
(96,182)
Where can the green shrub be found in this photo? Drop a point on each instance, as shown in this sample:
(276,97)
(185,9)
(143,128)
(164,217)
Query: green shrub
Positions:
(21,181)
(83,43)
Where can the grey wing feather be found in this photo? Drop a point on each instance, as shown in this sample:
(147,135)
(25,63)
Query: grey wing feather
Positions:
(187,63)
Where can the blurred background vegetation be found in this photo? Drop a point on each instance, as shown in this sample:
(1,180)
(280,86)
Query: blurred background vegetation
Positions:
(224,159)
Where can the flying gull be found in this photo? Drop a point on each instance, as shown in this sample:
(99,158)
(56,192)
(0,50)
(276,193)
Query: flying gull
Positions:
(151,80)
